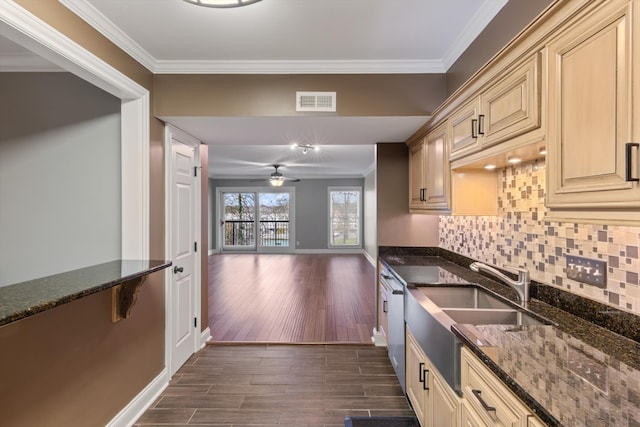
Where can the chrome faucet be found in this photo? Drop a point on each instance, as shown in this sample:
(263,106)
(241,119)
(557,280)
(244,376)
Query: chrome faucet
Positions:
(521,286)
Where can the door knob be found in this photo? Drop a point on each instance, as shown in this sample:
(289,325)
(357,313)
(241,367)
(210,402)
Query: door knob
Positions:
(177,270)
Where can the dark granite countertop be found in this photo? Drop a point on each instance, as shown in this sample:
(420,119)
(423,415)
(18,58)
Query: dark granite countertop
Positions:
(35,296)
(573,373)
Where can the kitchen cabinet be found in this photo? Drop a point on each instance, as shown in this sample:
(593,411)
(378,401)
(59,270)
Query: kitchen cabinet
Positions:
(417,173)
(463,128)
(506,109)
(433,401)
(429,172)
(487,401)
(594,112)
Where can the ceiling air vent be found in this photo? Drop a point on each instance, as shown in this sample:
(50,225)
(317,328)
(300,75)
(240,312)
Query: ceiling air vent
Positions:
(316,101)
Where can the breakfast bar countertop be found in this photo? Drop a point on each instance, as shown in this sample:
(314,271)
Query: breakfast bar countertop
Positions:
(28,298)
(573,373)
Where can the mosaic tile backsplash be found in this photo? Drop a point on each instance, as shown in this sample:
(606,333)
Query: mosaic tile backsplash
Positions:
(519,236)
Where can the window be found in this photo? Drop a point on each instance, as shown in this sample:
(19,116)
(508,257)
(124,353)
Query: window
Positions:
(345,214)
(254,220)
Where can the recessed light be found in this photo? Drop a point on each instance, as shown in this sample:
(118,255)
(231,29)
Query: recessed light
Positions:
(490,167)
(514,160)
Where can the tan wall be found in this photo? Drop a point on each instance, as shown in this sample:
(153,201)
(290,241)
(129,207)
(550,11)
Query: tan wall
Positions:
(396,227)
(72,366)
(513,17)
(274,95)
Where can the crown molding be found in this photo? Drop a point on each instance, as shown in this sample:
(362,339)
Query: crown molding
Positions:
(107,28)
(299,67)
(477,24)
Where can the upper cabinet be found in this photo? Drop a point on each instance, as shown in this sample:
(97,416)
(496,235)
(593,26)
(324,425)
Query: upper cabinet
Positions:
(429,173)
(509,107)
(594,113)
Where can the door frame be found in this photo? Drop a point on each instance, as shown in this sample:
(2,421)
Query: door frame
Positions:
(257,190)
(198,341)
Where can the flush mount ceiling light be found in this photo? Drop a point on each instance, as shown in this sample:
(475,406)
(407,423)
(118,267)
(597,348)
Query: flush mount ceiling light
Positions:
(222,3)
(305,147)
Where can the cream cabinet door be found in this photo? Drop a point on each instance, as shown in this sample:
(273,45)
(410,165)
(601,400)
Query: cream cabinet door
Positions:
(463,129)
(444,403)
(417,171)
(438,176)
(511,106)
(592,113)
(415,383)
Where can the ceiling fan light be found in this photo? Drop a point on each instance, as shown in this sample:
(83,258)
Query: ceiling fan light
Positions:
(222,3)
(276,182)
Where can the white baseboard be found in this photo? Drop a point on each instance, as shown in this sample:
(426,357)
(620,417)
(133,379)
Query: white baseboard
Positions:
(330,251)
(204,337)
(370,258)
(378,338)
(214,251)
(130,413)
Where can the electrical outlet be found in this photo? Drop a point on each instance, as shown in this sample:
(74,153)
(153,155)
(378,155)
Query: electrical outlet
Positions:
(589,271)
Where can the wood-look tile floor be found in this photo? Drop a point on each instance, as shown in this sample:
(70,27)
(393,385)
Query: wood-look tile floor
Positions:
(264,385)
(301,298)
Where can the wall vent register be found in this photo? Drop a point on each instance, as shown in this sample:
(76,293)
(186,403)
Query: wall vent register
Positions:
(316,101)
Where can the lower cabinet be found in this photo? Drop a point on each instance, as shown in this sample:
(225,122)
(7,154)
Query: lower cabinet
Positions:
(434,402)
(487,401)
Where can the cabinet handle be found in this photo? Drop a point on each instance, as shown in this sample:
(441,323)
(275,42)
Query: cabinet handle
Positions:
(425,384)
(486,407)
(481,124)
(629,161)
(474,123)
(421,372)
(422,197)
(384,306)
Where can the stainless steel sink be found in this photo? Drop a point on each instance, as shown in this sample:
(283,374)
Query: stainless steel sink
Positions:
(431,311)
(492,317)
(463,297)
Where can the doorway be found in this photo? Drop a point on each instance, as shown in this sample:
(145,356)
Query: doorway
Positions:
(257,220)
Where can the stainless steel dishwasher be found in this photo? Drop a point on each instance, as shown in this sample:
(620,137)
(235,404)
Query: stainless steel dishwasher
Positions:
(396,332)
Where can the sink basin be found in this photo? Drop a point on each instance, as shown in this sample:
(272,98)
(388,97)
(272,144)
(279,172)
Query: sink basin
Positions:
(431,312)
(463,297)
(491,317)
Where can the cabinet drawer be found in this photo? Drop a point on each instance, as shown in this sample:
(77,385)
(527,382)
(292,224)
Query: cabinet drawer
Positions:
(494,402)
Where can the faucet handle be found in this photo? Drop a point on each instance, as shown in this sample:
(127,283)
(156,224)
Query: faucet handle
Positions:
(523,273)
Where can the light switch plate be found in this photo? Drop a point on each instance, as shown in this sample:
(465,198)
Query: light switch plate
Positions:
(586,270)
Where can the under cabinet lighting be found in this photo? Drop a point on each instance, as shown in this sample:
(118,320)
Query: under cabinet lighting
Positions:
(514,160)
(543,151)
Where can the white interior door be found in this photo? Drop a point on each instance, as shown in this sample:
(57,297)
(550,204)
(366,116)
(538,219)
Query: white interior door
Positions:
(183,283)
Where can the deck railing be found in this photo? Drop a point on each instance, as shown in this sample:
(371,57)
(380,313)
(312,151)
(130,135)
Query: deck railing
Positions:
(270,233)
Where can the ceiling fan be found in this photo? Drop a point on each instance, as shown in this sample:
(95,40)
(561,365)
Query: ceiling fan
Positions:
(276,179)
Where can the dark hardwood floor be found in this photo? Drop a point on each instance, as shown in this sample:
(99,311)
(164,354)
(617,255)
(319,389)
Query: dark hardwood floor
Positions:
(264,385)
(315,298)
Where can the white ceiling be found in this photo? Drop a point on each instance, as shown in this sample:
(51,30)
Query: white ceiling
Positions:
(285,36)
